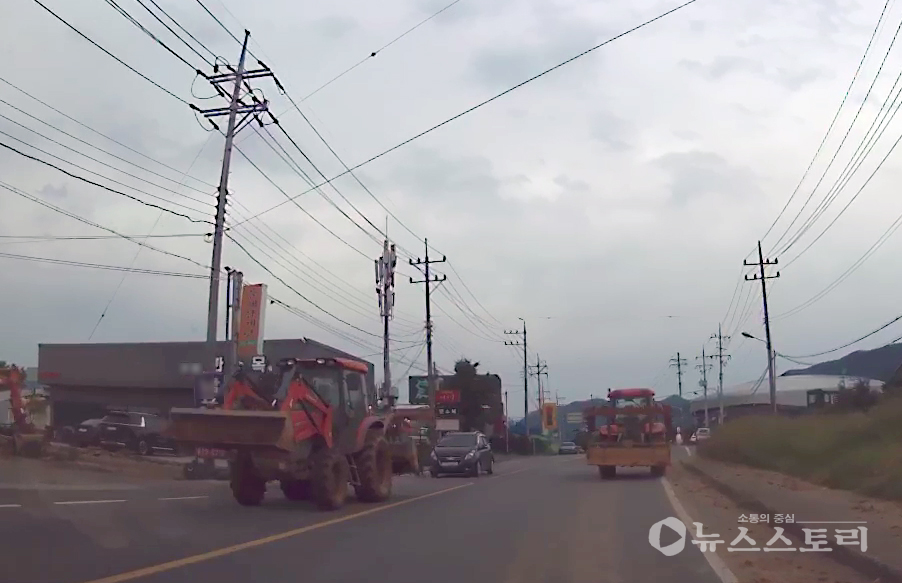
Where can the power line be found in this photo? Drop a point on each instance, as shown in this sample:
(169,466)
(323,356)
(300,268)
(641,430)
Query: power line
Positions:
(101,266)
(42,238)
(89,128)
(175,34)
(832,123)
(839,147)
(97,184)
(377,51)
(848,344)
(111,55)
(491,99)
(140,27)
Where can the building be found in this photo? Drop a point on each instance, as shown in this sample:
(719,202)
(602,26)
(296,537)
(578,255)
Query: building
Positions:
(754,397)
(86,380)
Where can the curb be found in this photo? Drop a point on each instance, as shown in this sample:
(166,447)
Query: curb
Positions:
(863,564)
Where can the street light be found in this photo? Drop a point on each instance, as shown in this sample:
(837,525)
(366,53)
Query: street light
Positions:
(771,357)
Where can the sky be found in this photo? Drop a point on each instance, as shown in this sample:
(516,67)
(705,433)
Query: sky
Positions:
(609,204)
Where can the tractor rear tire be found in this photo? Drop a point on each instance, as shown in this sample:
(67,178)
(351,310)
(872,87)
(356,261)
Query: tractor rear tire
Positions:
(607,472)
(295,489)
(248,488)
(658,471)
(374,468)
(329,478)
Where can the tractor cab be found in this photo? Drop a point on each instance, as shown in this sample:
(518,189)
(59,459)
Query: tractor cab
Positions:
(630,415)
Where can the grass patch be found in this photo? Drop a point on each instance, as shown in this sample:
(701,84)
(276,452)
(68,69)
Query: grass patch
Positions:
(850,451)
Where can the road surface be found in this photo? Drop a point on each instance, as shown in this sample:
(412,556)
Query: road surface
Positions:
(542,520)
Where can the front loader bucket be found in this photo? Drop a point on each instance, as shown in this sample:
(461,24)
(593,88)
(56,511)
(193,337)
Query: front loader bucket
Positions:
(648,455)
(230,429)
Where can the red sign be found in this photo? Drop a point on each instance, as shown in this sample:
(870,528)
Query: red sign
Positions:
(447,397)
(212,453)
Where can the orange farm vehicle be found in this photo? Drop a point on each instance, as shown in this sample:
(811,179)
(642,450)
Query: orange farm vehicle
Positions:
(27,440)
(635,432)
(306,424)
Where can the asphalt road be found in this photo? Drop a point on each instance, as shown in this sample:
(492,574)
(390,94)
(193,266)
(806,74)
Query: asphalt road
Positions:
(535,521)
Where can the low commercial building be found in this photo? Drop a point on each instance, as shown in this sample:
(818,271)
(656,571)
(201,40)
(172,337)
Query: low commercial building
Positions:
(86,380)
(796,394)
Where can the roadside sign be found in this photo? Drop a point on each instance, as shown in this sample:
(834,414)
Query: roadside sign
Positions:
(258,363)
(574,418)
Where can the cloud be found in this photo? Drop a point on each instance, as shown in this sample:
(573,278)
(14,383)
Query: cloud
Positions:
(698,174)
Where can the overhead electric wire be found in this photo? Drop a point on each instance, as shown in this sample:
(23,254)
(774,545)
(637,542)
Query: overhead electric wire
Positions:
(124,13)
(101,266)
(91,158)
(114,191)
(848,344)
(111,55)
(88,222)
(377,51)
(832,122)
(114,140)
(44,238)
(175,34)
(839,147)
(491,99)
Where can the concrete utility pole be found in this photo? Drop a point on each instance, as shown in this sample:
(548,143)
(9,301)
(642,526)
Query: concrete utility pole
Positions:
(522,334)
(385,290)
(249,111)
(679,363)
(704,367)
(540,369)
(237,286)
(507,425)
(762,263)
(429,280)
(721,357)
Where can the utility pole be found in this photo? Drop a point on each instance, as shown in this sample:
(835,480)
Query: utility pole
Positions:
(522,342)
(249,111)
(429,280)
(540,369)
(507,424)
(385,290)
(762,263)
(704,367)
(679,363)
(720,362)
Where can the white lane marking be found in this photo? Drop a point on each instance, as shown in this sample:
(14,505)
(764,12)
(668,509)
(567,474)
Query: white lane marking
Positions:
(717,565)
(71,502)
(183,498)
(688,451)
(10,506)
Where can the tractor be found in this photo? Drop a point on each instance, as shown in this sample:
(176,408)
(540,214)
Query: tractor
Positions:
(306,423)
(25,437)
(636,433)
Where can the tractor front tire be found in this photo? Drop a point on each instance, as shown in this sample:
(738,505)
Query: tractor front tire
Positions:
(295,489)
(607,472)
(374,468)
(329,478)
(247,487)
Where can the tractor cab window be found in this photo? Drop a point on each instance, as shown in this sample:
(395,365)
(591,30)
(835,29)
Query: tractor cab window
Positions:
(624,402)
(325,381)
(356,391)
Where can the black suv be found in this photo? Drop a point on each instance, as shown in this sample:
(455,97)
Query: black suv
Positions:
(462,453)
(140,432)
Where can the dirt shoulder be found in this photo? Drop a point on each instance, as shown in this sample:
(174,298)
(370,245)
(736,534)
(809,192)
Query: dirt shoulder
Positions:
(61,466)
(720,515)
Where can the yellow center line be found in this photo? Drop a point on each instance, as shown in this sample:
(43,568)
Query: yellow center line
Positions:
(184,562)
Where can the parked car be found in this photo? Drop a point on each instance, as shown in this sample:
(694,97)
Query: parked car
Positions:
(462,453)
(139,432)
(568,448)
(85,434)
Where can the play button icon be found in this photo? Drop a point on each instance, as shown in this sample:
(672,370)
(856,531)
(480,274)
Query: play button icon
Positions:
(674,524)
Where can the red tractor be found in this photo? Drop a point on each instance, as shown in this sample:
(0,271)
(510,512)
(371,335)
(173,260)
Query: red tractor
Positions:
(636,432)
(306,423)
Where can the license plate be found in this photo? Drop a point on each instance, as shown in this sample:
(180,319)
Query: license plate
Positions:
(82,430)
(449,464)
(111,429)
(212,452)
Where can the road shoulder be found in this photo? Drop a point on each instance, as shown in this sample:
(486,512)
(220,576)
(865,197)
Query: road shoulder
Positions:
(719,515)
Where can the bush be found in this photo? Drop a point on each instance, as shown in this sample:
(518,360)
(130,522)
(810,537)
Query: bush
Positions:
(859,451)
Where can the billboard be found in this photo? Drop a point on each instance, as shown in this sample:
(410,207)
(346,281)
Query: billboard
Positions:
(250,328)
(549,416)
(418,387)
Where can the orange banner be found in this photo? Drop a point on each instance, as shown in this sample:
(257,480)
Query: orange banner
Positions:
(250,329)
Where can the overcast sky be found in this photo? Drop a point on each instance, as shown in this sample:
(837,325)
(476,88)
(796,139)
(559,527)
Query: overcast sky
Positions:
(609,203)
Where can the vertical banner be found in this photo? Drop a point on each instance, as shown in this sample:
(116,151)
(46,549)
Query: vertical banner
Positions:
(253,313)
(549,416)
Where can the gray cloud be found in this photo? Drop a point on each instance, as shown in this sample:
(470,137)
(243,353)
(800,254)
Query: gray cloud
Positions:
(698,174)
